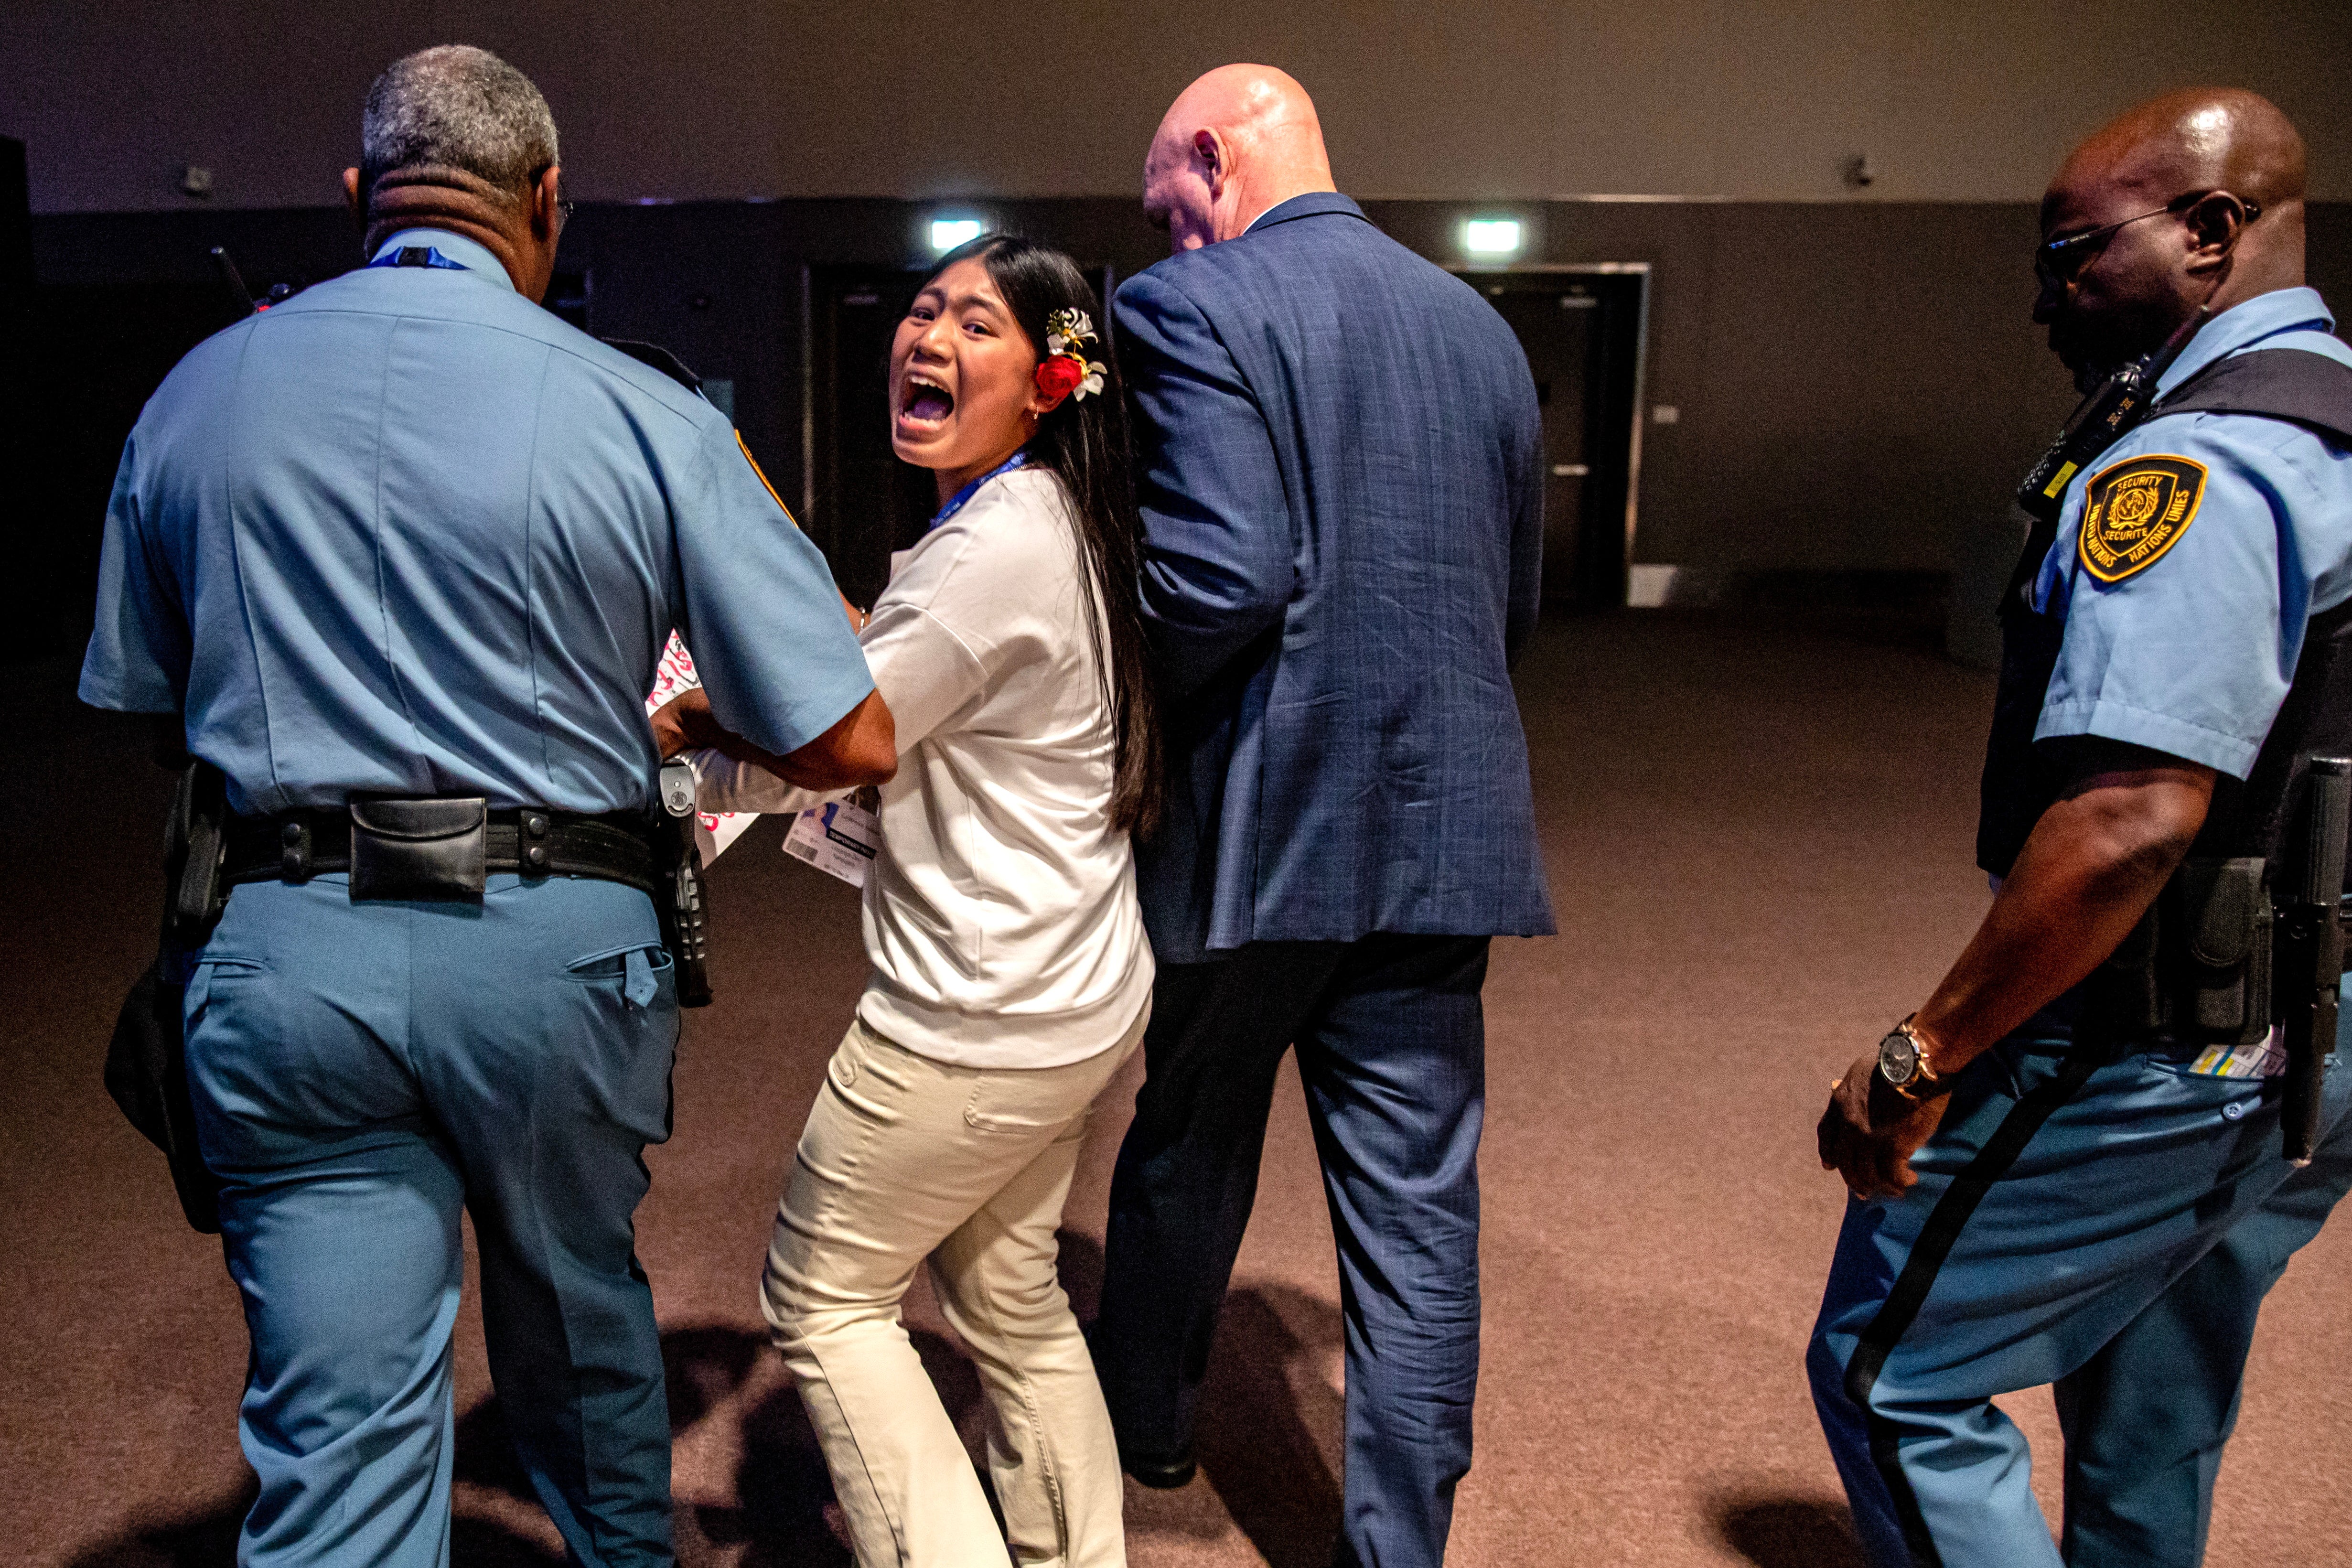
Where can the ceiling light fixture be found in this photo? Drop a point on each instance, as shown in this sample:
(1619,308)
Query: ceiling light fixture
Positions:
(946,233)
(1491,235)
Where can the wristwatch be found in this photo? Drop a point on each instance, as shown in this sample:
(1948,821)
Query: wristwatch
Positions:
(1903,1063)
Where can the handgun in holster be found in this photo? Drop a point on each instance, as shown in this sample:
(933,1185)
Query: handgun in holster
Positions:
(2233,947)
(2310,948)
(685,913)
(196,843)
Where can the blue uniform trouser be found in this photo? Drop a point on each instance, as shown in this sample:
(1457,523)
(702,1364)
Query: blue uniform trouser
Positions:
(2109,1229)
(362,1072)
(2146,1417)
(1390,1034)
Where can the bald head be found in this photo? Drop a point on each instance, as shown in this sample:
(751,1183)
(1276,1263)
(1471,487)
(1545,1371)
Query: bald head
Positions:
(2198,139)
(2203,190)
(1237,141)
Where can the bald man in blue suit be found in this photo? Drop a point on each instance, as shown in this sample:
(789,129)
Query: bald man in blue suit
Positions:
(1340,478)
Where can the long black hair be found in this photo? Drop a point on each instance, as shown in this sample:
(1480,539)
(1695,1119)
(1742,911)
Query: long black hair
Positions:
(1084,443)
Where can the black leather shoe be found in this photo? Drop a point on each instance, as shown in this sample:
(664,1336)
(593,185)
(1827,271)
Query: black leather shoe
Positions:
(1163,1475)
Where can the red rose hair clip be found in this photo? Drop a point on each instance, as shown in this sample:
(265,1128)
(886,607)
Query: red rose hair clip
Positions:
(1066,372)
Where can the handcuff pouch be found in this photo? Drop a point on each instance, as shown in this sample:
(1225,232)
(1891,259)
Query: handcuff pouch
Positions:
(2219,958)
(434,849)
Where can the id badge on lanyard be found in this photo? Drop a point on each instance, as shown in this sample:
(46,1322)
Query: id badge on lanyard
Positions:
(840,838)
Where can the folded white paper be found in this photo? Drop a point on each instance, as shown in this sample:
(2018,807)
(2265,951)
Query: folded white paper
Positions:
(713,830)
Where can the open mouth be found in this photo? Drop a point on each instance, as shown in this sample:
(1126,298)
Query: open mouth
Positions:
(924,401)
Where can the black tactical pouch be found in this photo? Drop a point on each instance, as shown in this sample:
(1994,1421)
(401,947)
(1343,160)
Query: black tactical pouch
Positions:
(433,850)
(2219,921)
(2198,965)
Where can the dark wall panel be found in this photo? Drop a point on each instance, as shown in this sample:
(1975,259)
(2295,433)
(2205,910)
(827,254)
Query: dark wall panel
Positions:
(24,618)
(720,99)
(1859,383)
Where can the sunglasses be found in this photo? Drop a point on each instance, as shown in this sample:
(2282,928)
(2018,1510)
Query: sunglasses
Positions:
(2059,261)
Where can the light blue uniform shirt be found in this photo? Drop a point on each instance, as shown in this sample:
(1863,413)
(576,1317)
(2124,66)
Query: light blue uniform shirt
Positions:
(2193,654)
(408,533)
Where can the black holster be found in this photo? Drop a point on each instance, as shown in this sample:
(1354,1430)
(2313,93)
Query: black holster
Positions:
(2233,947)
(146,1060)
(2311,967)
(680,898)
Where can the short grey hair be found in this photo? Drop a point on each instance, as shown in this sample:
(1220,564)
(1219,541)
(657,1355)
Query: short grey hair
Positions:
(457,108)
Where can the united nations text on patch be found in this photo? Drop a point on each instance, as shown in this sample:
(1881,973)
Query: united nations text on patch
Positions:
(2133,512)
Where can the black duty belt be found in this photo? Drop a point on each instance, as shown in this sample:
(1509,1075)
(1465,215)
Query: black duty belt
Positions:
(535,842)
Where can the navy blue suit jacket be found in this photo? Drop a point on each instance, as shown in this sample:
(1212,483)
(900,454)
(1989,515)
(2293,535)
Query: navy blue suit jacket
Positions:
(1340,471)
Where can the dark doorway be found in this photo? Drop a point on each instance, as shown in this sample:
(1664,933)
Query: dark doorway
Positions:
(1583,333)
(861,489)
(867,502)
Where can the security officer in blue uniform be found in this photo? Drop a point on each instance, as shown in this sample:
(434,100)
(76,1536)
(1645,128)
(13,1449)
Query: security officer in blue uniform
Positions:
(402,553)
(2069,1166)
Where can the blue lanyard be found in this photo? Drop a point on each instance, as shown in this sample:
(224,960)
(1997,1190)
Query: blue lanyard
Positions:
(423,255)
(955,501)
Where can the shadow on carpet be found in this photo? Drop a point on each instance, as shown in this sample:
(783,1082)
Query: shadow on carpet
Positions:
(208,1540)
(1786,1532)
(783,1473)
(1271,1432)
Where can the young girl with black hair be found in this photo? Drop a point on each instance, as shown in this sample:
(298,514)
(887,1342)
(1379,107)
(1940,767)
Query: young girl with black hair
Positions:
(1012,977)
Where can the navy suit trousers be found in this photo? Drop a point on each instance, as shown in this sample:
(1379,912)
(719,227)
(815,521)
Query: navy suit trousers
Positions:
(1390,1034)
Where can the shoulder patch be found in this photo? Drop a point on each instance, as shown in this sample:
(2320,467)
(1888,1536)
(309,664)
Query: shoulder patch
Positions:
(2136,511)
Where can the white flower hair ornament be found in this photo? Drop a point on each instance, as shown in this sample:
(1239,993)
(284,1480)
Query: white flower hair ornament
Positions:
(1066,371)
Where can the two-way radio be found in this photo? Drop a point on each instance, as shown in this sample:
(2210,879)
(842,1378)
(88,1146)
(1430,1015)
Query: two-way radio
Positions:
(278,293)
(2101,420)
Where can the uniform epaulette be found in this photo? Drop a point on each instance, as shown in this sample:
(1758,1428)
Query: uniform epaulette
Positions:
(657,358)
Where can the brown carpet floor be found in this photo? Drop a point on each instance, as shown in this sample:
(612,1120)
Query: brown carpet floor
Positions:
(1759,839)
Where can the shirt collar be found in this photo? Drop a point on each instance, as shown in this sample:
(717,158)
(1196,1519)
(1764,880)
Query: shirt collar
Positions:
(1312,203)
(1019,459)
(2244,325)
(476,258)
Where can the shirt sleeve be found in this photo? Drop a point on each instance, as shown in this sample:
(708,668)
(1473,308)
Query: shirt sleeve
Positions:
(727,784)
(139,649)
(1217,548)
(923,670)
(759,607)
(2192,652)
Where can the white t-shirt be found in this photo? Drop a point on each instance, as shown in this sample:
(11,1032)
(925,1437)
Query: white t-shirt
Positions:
(999,914)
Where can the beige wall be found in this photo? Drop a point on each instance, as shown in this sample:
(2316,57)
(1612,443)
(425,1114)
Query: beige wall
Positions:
(1959,101)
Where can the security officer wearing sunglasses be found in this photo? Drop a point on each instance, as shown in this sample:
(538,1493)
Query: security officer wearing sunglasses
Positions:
(400,552)
(2068,1165)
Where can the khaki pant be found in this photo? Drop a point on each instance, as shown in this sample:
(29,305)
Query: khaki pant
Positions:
(905,1158)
